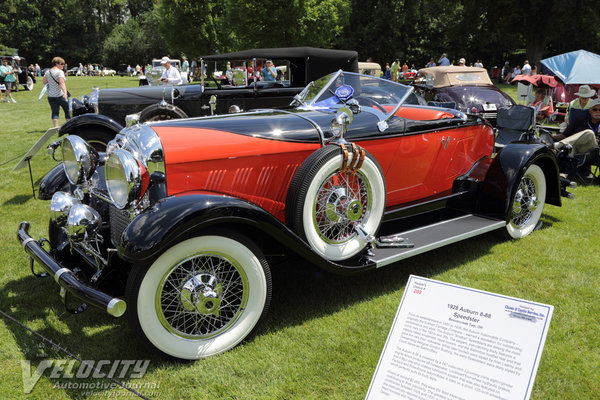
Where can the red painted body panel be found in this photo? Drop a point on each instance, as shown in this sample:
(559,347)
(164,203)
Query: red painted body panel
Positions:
(415,166)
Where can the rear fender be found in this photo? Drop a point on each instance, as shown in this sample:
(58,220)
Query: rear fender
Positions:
(73,125)
(177,218)
(505,172)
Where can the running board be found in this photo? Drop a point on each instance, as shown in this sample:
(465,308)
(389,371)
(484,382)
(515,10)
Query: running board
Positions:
(436,235)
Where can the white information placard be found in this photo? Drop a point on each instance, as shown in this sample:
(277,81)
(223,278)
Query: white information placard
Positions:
(454,342)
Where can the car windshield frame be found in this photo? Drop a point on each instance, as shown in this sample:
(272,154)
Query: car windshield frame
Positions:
(321,93)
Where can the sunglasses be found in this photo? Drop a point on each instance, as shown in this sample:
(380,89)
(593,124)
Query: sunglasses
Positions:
(595,109)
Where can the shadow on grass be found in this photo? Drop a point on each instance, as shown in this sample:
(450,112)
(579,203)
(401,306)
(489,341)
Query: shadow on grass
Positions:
(18,199)
(300,292)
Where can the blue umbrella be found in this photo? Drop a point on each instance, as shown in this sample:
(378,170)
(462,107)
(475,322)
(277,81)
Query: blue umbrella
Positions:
(576,67)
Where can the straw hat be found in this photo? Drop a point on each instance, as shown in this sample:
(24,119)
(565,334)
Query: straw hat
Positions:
(585,91)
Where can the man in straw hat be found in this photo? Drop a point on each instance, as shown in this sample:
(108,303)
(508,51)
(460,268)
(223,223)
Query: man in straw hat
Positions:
(582,101)
(582,135)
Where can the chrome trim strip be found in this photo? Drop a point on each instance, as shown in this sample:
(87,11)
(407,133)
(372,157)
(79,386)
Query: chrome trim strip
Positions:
(435,245)
(116,307)
(59,273)
(310,121)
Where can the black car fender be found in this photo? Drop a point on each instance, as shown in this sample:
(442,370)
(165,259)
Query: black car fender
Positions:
(80,122)
(177,218)
(505,172)
(55,180)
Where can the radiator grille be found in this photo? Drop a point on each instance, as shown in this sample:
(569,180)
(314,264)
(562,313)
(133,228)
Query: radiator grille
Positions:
(119,220)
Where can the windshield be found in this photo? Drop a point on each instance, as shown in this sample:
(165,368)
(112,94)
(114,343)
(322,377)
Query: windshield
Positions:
(380,96)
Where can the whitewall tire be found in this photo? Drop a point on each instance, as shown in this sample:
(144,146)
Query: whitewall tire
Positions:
(527,203)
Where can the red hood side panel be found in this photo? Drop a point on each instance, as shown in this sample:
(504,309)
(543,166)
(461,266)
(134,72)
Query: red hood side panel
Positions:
(257,170)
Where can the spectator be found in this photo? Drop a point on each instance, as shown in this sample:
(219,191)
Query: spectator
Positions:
(394,69)
(387,74)
(38,71)
(462,62)
(542,111)
(534,69)
(185,69)
(405,67)
(8,78)
(516,71)
(526,70)
(170,74)
(430,64)
(506,73)
(128,70)
(269,72)
(58,94)
(443,61)
(582,135)
(582,101)
(478,64)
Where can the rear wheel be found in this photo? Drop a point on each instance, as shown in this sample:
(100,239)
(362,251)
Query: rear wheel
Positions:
(527,203)
(201,297)
(29,84)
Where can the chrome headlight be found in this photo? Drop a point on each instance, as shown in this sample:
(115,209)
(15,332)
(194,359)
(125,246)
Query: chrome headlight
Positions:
(82,220)
(61,205)
(123,178)
(79,159)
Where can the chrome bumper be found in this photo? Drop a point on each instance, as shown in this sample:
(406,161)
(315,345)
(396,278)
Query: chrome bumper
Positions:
(65,277)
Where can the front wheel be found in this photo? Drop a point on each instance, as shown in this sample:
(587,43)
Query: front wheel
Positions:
(158,112)
(201,297)
(527,203)
(29,84)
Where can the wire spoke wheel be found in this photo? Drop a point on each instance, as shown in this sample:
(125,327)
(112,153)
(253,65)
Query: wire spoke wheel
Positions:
(342,201)
(201,296)
(527,203)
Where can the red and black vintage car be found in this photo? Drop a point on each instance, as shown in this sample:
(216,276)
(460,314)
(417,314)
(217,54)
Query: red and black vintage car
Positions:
(177,222)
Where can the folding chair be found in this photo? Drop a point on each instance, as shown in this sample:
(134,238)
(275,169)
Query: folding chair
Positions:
(514,123)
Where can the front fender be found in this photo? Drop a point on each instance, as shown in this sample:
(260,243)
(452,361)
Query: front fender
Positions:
(176,218)
(88,120)
(505,172)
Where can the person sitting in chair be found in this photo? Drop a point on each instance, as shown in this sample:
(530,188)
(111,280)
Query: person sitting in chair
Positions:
(582,134)
(542,111)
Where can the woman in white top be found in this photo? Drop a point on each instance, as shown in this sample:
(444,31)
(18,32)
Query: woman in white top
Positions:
(57,90)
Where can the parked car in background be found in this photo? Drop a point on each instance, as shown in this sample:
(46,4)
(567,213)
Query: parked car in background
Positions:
(108,72)
(468,88)
(180,221)
(369,68)
(101,115)
(73,71)
(26,78)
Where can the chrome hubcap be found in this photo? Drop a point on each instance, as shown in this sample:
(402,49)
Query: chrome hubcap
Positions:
(202,293)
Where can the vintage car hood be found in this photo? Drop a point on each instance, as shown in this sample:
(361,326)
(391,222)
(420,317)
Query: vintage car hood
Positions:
(281,125)
(154,93)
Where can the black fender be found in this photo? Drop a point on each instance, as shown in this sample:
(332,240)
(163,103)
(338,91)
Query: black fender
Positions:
(505,172)
(174,219)
(73,125)
(55,180)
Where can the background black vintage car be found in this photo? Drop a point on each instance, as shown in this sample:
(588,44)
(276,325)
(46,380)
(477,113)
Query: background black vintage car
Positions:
(98,117)
(26,77)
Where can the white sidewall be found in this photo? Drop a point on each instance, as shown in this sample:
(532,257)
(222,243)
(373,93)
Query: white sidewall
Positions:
(354,246)
(538,176)
(192,349)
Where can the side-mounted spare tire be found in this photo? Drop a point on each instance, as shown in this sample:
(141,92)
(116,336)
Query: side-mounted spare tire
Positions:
(161,112)
(330,198)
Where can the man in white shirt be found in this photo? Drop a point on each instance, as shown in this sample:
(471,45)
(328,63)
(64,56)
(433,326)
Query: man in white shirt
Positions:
(526,70)
(170,74)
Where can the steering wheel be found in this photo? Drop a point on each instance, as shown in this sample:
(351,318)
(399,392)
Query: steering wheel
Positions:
(366,101)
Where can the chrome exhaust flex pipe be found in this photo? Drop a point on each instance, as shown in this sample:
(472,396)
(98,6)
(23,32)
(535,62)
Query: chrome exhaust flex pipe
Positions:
(65,277)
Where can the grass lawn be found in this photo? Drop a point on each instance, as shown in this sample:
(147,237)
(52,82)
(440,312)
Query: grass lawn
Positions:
(324,334)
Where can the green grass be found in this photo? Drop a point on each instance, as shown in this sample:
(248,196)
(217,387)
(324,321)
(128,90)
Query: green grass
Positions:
(324,334)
